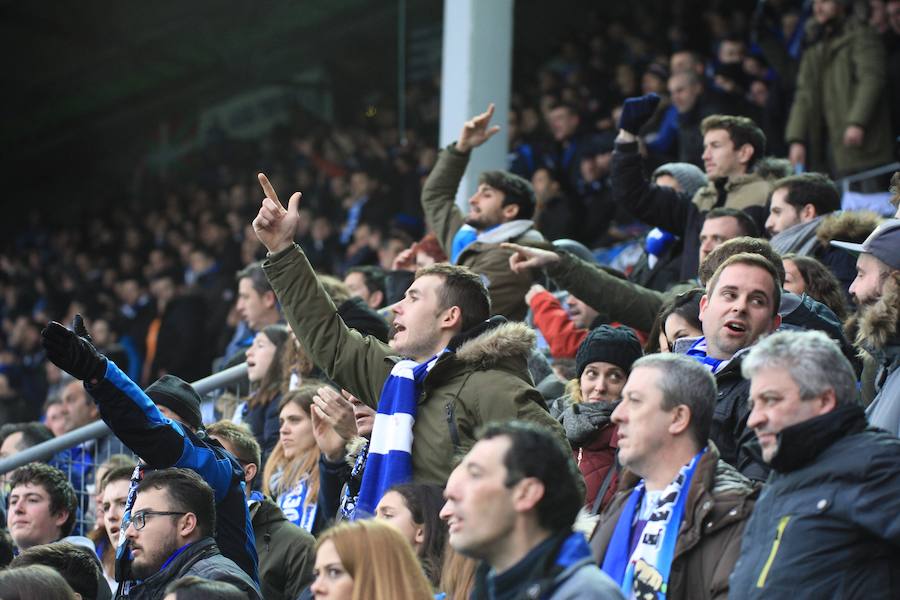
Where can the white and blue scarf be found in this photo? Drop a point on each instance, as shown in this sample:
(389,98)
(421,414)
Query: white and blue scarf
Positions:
(698,351)
(389,460)
(645,573)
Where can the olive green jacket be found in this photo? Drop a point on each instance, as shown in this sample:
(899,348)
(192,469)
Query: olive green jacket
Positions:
(616,299)
(488,259)
(486,379)
(842,82)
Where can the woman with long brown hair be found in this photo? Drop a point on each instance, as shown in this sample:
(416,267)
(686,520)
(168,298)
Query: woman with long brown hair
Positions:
(291,475)
(367,560)
(264,370)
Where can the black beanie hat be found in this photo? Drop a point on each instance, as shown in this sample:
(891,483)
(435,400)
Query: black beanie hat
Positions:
(614,345)
(178,396)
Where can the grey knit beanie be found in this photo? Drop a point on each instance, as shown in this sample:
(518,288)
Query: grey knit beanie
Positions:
(690,177)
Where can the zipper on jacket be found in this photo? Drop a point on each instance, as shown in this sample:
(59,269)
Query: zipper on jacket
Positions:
(451,424)
(779,533)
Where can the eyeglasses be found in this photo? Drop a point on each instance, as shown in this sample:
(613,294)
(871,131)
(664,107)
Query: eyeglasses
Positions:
(139,520)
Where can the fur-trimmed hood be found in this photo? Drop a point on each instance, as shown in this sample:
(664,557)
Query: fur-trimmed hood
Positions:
(511,339)
(847,226)
(879,325)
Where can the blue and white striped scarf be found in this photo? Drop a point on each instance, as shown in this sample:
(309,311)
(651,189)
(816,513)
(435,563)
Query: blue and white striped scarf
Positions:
(389,460)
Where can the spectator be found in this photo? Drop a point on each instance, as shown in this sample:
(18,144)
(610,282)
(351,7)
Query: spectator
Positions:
(673,486)
(191,587)
(515,515)
(42,507)
(163,426)
(814,436)
(264,371)
(457,574)
(841,85)
(679,317)
(500,211)
(285,550)
(732,145)
(413,510)
(176,343)
(367,559)
(114,496)
(876,325)
(178,540)
(602,365)
(291,475)
(77,565)
(740,306)
(35,581)
(366,282)
(15,437)
(55,416)
(555,216)
(688,98)
(439,325)
(342,426)
(797,211)
(806,275)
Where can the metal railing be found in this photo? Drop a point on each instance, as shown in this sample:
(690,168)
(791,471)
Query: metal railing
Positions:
(71,453)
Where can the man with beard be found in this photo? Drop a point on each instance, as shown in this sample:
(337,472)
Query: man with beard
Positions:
(876,291)
(499,211)
(171,528)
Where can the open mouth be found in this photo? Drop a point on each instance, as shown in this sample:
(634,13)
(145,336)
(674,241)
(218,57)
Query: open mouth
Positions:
(398,328)
(736,326)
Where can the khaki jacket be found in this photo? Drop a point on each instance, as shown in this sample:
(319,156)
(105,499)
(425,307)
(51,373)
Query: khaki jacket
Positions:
(485,380)
(443,216)
(719,503)
(842,82)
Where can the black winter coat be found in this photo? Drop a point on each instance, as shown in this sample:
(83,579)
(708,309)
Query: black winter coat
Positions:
(826,525)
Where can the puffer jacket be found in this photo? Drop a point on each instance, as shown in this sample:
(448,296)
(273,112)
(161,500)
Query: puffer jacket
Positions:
(202,559)
(286,553)
(443,216)
(842,82)
(826,523)
(485,379)
(719,502)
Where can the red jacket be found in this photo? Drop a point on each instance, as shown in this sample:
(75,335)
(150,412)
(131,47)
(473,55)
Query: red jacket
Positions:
(557,327)
(594,460)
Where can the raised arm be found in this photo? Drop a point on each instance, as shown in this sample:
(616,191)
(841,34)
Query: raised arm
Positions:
(356,362)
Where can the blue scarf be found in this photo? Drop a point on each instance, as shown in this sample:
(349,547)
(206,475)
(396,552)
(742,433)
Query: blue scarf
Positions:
(632,570)
(465,235)
(698,350)
(389,460)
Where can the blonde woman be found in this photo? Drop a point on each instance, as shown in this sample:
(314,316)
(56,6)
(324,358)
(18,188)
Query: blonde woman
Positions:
(291,475)
(367,560)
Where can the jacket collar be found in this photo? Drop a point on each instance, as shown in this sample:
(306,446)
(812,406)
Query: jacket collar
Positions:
(801,444)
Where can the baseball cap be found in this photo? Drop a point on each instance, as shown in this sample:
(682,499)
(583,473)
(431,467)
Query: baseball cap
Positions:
(883,244)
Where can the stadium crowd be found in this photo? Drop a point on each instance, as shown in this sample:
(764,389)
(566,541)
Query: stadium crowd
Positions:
(652,358)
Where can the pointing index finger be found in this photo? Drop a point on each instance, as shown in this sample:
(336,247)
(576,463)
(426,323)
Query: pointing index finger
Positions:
(267,188)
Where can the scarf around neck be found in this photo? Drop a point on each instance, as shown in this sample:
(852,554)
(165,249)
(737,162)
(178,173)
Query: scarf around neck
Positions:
(389,459)
(645,573)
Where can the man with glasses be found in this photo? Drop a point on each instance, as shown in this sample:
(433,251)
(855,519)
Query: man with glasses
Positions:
(170,534)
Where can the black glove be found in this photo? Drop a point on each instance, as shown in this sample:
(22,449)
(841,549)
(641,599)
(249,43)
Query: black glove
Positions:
(74,353)
(637,111)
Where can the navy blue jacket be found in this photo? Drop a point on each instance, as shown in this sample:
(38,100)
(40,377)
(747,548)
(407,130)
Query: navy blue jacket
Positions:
(162,443)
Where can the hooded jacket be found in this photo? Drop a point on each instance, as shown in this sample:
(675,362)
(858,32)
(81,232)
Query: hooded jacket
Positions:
(878,335)
(202,559)
(842,82)
(487,258)
(286,553)
(485,379)
(847,226)
(826,523)
(719,502)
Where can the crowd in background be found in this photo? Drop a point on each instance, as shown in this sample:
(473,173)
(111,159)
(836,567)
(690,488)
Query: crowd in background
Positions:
(622,213)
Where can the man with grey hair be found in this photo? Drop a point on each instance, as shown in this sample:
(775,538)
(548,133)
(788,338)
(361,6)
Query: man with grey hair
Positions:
(826,524)
(675,525)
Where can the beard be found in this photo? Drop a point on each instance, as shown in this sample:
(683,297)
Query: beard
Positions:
(151,559)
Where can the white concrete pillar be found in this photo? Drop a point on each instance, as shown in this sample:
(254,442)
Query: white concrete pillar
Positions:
(476,70)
